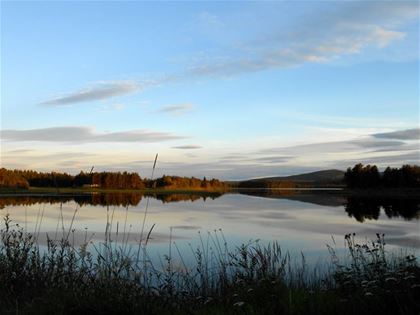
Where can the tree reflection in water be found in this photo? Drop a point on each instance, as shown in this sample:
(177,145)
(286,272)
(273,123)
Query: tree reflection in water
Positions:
(357,207)
(369,208)
(102,199)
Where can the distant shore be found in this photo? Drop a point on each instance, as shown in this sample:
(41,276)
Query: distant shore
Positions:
(80,190)
(395,192)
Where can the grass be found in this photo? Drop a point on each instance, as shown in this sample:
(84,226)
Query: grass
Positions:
(112,277)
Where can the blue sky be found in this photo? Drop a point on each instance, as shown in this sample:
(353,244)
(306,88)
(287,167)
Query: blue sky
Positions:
(224,89)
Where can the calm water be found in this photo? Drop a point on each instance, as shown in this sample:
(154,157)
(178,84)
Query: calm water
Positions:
(301,221)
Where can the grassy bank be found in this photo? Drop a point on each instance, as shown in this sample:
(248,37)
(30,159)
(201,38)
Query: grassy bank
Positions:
(252,279)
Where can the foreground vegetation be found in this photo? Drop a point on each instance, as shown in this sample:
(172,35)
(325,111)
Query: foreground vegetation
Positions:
(115,278)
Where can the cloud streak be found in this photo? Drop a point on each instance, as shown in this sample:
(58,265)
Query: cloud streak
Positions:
(188,147)
(72,134)
(409,134)
(337,147)
(176,109)
(102,91)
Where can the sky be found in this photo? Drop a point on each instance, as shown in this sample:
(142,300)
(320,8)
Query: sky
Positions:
(231,90)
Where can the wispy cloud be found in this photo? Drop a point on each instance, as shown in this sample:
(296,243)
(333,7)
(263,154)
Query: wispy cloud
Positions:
(409,134)
(85,135)
(188,147)
(323,148)
(101,91)
(347,30)
(179,109)
(273,159)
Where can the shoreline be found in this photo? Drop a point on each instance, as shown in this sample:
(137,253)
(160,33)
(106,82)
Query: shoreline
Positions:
(39,191)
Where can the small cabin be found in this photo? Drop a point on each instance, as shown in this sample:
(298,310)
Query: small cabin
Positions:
(90,185)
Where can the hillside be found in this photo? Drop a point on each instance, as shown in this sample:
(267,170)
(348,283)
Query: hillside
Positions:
(313,179)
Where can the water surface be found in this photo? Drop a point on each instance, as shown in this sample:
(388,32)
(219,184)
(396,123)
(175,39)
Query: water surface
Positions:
(300,221)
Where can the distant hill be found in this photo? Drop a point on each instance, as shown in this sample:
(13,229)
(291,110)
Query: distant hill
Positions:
(313,179)
(326,175)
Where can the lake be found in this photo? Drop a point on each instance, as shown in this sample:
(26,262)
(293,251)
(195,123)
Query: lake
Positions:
(299,220)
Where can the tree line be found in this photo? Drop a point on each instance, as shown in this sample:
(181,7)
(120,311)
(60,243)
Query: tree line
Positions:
(178,182)
(113,180)
(29,178)
(368,176)
(12,179)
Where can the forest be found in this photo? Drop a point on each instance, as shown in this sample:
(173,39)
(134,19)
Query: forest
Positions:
(23,179)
